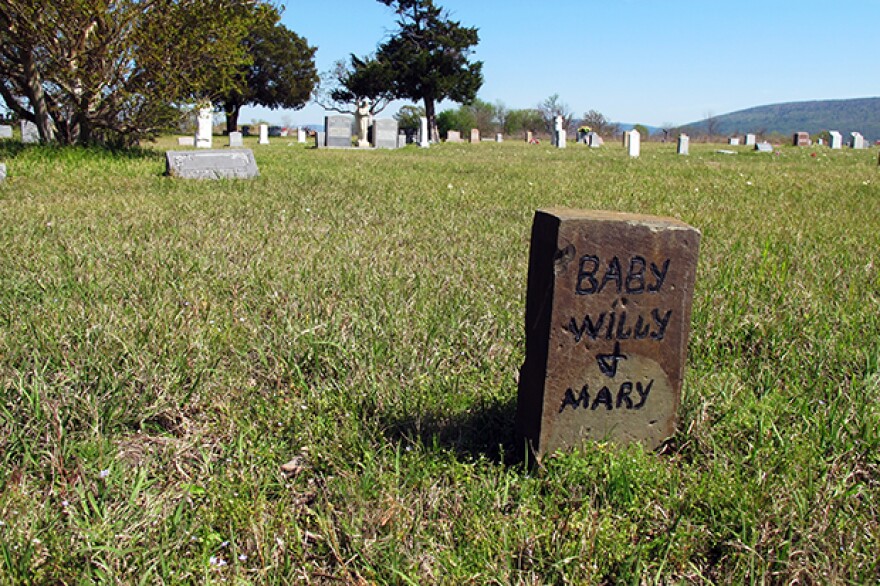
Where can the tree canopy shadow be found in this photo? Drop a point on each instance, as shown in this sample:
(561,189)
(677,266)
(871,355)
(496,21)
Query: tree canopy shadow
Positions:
(11,149)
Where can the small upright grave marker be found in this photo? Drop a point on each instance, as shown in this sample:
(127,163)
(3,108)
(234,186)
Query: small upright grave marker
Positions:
(499,137)
(764,147)
(475,135)
(423,133)
(264,134)
(301,135)
(594,140)
(204,138)
(635,143)
(187,141)
(235,139)
(835,140)
(858,141)
(211,164)
(5,131)
(684,142)
(320,140)
(2,172)
(733,141)
(29,132)
(453,136)
(801,139)
(607,320)
(528,136)
(750,140)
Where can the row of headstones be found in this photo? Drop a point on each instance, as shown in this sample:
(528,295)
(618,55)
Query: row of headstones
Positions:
(455,136)
(385,134)
(29,132)
(857,141)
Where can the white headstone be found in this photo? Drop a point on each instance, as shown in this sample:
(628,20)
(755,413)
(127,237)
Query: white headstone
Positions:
(836,141)
(320,140)
(2,171)
(750,140)
(764,147)
(186,141)
(635,143)
(453,136)
(684,143)
(235,139)
(858,141)
(499,137)
(594,140)
(5,131)
(204,132)
(423,133)
(561,139)
(301,135)
(733,141)
(264,134)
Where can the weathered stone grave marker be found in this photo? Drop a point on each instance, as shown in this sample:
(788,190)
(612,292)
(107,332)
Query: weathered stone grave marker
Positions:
(499,137)
(320,140)
(236,139)
(186,141)
(733,141)
(204,135)
(475,135)
(858,141)
(750,140)
(29,132)
(594,140)
(301,135)
(264,134)
(607,321)
(684,144)
(5,131)
(211,164)
(385,133)
(764,147)
(800,139)
(2,172)
(529,136)
(453,136)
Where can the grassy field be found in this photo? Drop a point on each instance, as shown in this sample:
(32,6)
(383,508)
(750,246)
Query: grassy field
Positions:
(167,345)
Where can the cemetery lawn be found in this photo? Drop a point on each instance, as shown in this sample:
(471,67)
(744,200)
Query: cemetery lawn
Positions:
(167,345)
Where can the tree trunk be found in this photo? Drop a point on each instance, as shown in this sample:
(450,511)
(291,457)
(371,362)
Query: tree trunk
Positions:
(37,99)
(231,111)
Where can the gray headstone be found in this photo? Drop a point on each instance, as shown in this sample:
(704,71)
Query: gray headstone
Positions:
(211,164)
(453,136)
(561,138)
(684,143)
(385,133)
(338,129)
(764,147)
(320,140)
(401,140)
(2,171)
(29,132)
(594,140)
(235,139)
(5,131)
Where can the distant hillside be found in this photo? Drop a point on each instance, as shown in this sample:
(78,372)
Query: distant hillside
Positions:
(861,115)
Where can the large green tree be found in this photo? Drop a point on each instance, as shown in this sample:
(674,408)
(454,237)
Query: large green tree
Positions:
(114,70)
(429,55)
(342,88)
(281,72)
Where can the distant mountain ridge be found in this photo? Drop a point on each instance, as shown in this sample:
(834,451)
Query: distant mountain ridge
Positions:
(855,115)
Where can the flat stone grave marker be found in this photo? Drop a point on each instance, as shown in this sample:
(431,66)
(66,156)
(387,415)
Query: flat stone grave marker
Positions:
(385,133)
(186,141)
(338,129)
(607,319)
(5,131)
(211,164)
(764,147)
(684,144)
(29,132)
(235,139)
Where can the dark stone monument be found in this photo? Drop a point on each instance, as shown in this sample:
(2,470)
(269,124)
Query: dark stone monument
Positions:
(607,322)
(338,129)
(211,164)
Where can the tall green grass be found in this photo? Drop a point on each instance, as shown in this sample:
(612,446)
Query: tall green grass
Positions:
(166,345)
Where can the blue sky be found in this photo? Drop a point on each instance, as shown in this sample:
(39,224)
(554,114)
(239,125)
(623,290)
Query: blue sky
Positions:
(639,61)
